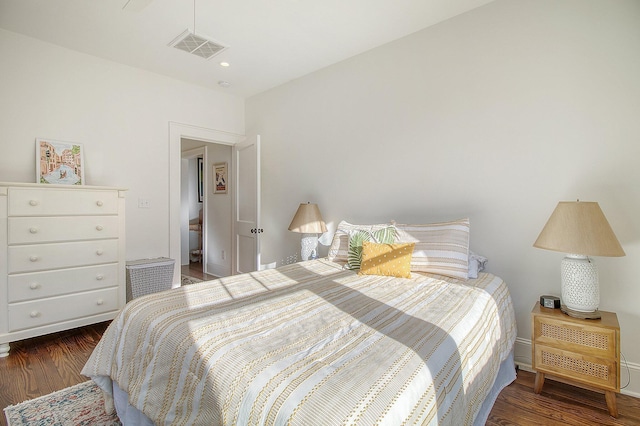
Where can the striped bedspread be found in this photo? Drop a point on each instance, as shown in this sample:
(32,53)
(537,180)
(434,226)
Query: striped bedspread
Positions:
(310,344)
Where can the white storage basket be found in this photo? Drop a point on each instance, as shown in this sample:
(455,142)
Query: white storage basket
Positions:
(146,276)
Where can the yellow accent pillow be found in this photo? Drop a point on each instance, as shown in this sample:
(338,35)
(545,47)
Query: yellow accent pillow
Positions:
(390,260)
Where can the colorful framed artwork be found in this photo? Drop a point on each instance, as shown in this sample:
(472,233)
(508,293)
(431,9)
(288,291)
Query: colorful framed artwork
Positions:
(59,162)
(200,180)
(220,178)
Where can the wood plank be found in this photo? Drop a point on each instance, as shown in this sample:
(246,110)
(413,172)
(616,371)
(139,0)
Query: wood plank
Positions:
(44,364)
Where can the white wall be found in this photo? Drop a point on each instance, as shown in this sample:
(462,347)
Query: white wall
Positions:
(497,115)
(120,114)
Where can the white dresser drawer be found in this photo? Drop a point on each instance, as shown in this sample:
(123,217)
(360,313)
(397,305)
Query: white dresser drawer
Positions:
(61,201)
(27,230)
(36,285)
(38,257)
(62,308)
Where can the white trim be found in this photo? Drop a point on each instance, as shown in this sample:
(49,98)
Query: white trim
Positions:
(192,153)
(177,131)
(522,355)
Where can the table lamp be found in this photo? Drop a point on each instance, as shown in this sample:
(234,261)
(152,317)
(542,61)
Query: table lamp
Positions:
(308,221)
(579,229)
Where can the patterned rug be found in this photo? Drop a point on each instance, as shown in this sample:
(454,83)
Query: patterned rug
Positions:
(189,280)
(81,404)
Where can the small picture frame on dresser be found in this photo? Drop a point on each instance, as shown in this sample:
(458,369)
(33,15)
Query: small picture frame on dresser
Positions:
(59,162)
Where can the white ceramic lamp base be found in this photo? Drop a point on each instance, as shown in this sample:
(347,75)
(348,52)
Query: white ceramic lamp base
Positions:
(309,244)
(580,287)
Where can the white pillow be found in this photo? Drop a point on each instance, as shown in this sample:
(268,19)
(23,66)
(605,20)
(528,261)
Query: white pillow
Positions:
(441,248)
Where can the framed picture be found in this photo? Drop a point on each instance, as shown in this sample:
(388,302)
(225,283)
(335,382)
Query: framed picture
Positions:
(200,180)
(59,162)
(220,178)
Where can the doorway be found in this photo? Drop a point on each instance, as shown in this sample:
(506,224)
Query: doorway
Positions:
(192,209)
(214,256)
(206,224)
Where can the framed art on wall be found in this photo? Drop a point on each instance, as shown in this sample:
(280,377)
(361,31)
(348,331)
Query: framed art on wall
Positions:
(59,162)
(220,178)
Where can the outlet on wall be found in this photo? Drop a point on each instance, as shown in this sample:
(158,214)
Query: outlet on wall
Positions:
(290,259)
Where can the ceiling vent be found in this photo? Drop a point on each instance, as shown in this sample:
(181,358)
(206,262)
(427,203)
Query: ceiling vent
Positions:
(197,45)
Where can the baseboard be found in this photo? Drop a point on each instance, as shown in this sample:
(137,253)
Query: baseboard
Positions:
(218,270)
(629,371)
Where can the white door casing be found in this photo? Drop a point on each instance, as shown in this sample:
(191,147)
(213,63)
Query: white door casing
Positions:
(247,230)
(177,131)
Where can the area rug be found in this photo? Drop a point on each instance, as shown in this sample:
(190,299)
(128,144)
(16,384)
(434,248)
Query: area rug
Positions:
(190,280)
(81,404)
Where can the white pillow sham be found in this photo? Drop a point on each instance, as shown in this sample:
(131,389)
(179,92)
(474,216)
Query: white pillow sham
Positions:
(441,248)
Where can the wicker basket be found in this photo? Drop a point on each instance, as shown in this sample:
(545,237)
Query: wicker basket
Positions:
(146,276)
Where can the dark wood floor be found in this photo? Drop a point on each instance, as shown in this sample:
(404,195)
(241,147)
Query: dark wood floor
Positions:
(45,364)
(195,270)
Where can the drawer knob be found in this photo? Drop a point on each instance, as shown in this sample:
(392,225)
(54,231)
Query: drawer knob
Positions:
(33,258)
(99,252)
(99,302)
(99,203)
(99,227)
(99,277)
(34,314)
(34,286)
(33,202)
(33,230)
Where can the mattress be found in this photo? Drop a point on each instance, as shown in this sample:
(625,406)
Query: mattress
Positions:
(311,343)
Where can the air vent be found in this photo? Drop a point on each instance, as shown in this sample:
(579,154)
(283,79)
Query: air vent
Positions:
(197,45)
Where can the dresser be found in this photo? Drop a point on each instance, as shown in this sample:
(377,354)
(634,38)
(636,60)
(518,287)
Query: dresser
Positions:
(62,252)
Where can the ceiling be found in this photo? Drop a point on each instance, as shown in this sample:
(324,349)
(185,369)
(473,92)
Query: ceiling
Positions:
(269,42)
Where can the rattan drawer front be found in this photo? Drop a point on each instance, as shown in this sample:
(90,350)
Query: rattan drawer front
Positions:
(587,369)
(595,341)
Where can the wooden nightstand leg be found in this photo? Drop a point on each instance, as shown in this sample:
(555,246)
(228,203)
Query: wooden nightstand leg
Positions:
(610,397)
(537,387)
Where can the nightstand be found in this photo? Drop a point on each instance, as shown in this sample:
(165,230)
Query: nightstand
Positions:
(580,351)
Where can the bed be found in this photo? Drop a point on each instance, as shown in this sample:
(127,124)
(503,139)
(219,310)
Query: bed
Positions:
(310,343)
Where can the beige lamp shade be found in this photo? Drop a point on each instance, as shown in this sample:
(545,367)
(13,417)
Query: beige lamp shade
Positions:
(579,227)
(308,220)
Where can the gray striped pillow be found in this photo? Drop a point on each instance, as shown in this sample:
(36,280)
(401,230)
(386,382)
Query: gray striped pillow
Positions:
(441,248)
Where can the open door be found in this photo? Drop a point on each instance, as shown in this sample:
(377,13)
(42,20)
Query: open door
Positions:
(247,229)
